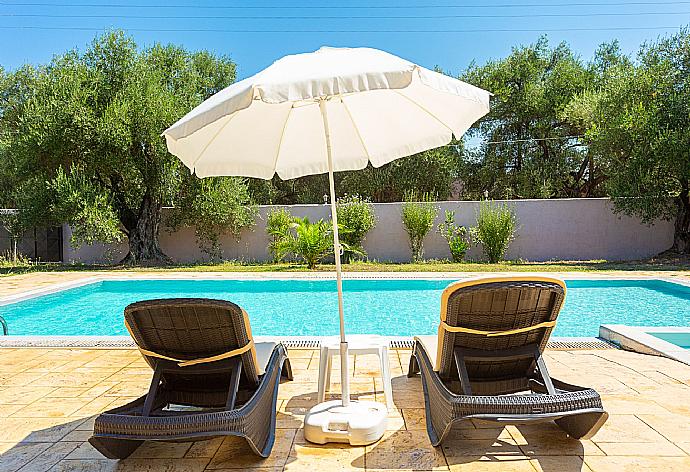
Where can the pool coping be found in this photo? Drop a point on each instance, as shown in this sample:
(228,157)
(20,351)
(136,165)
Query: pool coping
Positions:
(292,342)
(60,286)
(639,339)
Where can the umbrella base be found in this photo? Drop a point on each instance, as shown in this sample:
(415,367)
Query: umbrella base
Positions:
(359,423)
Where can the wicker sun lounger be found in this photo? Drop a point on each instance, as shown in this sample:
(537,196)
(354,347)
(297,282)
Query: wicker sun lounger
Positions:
(489,364)
(210,379)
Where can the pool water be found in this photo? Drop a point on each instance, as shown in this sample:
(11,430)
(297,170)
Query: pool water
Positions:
(390,307)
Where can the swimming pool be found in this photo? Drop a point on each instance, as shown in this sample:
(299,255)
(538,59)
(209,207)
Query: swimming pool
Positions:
(392,307)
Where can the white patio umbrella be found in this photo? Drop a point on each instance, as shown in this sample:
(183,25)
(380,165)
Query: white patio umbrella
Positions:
(331,110)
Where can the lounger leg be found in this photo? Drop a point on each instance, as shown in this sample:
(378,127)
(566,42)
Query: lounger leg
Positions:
(286,371)
(413,368)
(115,448)
(582,426)
(234,384)
(543,371)
(462,371)
(153,389)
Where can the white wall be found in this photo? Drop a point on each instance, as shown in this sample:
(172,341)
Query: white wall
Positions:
(559,229)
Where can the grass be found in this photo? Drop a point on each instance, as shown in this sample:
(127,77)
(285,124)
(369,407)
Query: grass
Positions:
(652,265)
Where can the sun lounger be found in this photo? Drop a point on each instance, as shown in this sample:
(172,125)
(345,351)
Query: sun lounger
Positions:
(210,379)
(486,362)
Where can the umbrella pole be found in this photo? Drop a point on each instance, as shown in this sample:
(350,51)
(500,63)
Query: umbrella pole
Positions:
(344,377)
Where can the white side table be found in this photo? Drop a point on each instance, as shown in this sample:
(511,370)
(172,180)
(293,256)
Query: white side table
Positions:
(357,344)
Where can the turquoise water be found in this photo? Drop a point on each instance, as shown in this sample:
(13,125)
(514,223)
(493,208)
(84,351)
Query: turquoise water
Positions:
(679,339)
(309,307)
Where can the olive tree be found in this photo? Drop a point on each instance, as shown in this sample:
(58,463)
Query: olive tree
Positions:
(82,136)
(639,123)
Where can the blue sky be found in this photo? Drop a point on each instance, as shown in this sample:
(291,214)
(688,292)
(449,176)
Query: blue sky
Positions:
(450,33)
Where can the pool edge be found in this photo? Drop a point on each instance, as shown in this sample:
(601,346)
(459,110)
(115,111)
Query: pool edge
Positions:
(292,342)
(638,339)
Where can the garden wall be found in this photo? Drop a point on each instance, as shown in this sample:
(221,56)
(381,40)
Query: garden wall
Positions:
(559,229)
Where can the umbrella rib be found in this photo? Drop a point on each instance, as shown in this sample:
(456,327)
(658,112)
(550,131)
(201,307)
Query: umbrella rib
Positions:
(282,135)
(210,141)
(424,110)
(354,124)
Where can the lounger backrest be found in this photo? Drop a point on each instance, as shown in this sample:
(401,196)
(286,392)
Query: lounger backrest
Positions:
(192,328)
(501,304)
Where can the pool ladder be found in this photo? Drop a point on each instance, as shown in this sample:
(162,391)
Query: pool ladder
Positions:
(5,332)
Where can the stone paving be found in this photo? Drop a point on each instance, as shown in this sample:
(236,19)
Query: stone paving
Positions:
(48,399)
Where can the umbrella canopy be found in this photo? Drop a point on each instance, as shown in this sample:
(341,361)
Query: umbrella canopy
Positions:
(326,111)
(380,108)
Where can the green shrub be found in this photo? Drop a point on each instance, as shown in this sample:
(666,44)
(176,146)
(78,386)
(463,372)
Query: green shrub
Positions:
(457,236)
(355,219)
(10,259)
(418,215)
(213,206)
(496,225)
(278,223)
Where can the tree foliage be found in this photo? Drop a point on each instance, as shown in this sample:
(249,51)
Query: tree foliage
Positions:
(427,172)
(81,140)
(531,149)
(638,124)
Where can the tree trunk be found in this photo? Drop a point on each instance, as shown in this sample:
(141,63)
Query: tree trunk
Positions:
(681,234)
(144,247)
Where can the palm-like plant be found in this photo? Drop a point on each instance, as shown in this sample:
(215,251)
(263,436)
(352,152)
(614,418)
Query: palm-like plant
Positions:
(308,241)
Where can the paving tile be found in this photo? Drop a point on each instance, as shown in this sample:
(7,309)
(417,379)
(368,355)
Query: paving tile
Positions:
(68,392)
(331,457)
(85,451)
(8,410)
(515,463)
(626,428)
(655,449)
(206,448)
(70,379)
(560,464)
(35,429)
(674,427)
(622,404)
(547,439)
(57,408)
(161,450)
(94,406)
(18,455)
(49,457)
(457,446)
(162,465)
(78,435)
(235,453)
(291,417)
(409,450)
(23,395)
(638,464)
(18,379)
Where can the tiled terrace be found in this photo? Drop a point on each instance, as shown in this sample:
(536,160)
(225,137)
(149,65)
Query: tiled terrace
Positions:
(48,399)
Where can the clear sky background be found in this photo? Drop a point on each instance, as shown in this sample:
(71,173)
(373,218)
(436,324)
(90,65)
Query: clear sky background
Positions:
(447,33)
